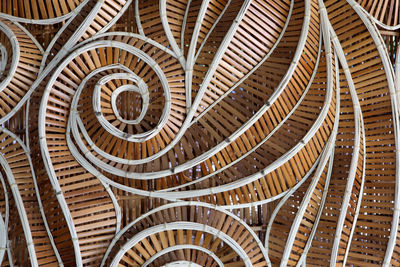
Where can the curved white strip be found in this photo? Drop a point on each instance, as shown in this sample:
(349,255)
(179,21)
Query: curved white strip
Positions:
(181,264)
(397,73)
(77,122)
(190,55)
(254,68)
(182,247)
(168,32)
(21,210)
(137,18)
(179,204)
(199,95)
(130,88)
(143,56)
(211,30)
(361,193)
(372,18)
(193,108)
(3,57)
(3,239)
(127,34)
(303,257)
(29,34)
(6,220)
(302,260)
(184,26)
(182,226)
(276,164)
(325,154)
(115,17)
(140,88)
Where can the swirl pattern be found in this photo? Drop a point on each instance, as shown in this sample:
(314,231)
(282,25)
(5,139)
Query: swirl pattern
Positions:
(199,133)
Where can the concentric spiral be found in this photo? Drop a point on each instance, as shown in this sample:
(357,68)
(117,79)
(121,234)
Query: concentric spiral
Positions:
(189,233)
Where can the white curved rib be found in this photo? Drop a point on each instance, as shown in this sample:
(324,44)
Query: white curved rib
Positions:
(127,34)
(3,238)
(29,34)
(397,73)
(76,122)
(6,221)
(130,88)
(143,56)
(299,215)
(211,30)
(181,264)
(4,57)
(115,17)
(376,21)
(324,154)
(193,108)
(191,52)
(184,26)
(303,257)
(140,88)
(21,210)
(53,179)
(179,204)
(168,33)
(137,18)
(357,212)
(182,226)
(106,186)
(182,247)
(4,224)
(276,164)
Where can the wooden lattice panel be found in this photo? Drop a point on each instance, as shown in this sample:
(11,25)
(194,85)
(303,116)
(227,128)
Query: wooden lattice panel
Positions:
(199,133)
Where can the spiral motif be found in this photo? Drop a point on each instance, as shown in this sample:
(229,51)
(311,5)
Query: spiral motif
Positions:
(199,133)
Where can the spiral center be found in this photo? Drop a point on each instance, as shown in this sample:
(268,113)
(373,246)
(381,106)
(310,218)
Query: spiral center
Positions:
(129,105)
(181,264)
(3,58)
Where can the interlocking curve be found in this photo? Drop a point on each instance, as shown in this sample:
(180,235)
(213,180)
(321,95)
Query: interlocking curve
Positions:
(199,133)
